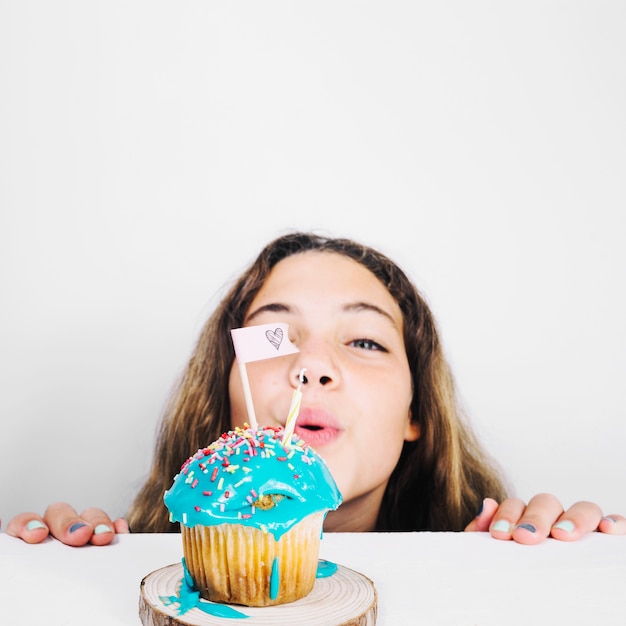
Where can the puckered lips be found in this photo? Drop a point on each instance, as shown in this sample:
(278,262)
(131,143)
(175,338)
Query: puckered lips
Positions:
(317,427)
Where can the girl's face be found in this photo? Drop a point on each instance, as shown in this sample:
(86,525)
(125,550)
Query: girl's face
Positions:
(355,408)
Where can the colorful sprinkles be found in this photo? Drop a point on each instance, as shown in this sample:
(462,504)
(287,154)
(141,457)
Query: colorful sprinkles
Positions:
(249,439)
(249,476)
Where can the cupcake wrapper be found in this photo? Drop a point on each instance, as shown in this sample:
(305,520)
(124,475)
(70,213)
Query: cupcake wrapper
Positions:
(237,564)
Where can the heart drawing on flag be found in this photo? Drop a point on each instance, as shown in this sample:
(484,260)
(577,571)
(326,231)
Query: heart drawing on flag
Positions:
(275,337)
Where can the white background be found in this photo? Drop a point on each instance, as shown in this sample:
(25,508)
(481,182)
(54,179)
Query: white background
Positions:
(149,149)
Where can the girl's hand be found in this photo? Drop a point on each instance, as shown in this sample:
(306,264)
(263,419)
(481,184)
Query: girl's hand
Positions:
(543,517)
(63,522)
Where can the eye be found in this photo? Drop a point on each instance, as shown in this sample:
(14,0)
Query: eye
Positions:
(367,344)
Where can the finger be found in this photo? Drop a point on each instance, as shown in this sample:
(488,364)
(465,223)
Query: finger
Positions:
(121,526)
(102,525)
(506,518)
(613,525)
(482,520)
(66,525)
(537,520)
(581,518)
(28,526)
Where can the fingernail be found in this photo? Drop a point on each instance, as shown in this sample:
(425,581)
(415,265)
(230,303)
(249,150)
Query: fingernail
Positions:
(565,525)
(529,527)
(482,506)
(35,524)
(77,526)
(102,528)
(501,526)
(608,518)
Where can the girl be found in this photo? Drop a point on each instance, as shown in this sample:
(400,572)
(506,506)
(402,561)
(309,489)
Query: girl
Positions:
(379,405)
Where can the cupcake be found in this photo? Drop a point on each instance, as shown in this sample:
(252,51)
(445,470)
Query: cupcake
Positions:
(251,511)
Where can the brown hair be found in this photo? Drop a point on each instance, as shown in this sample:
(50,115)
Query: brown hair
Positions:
(440,479)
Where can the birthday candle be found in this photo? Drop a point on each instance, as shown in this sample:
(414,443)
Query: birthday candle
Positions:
(294,409)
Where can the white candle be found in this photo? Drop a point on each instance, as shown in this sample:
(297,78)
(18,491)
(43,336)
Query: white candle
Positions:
(294,409)
(247,395)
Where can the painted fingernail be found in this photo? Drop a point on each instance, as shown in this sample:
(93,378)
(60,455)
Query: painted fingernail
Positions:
(608,518)
(102,528)
(77,526)
(35,524)
(565,525)
(526,526)
(501,526)
(482,506)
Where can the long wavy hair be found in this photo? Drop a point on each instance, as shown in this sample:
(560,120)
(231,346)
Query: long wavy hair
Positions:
(440,479)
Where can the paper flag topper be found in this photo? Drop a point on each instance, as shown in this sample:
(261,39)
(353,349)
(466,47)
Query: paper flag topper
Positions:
(265,341)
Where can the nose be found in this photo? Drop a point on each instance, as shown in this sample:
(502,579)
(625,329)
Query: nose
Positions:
(314,366)
(323,380)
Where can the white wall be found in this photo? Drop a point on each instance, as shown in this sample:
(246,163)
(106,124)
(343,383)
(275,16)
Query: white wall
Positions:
(148,149)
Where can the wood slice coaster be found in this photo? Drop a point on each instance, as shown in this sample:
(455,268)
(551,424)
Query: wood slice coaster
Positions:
(345,598)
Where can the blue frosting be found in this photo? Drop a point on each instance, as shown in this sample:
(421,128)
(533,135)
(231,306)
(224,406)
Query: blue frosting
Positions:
(189,598)
(248,476)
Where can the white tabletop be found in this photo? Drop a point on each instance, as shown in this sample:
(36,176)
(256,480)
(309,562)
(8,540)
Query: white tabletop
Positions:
(421,578)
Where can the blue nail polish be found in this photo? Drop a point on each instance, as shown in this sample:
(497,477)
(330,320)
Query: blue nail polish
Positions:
(482,506)
(529,527)
(608,518)
(77,526)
